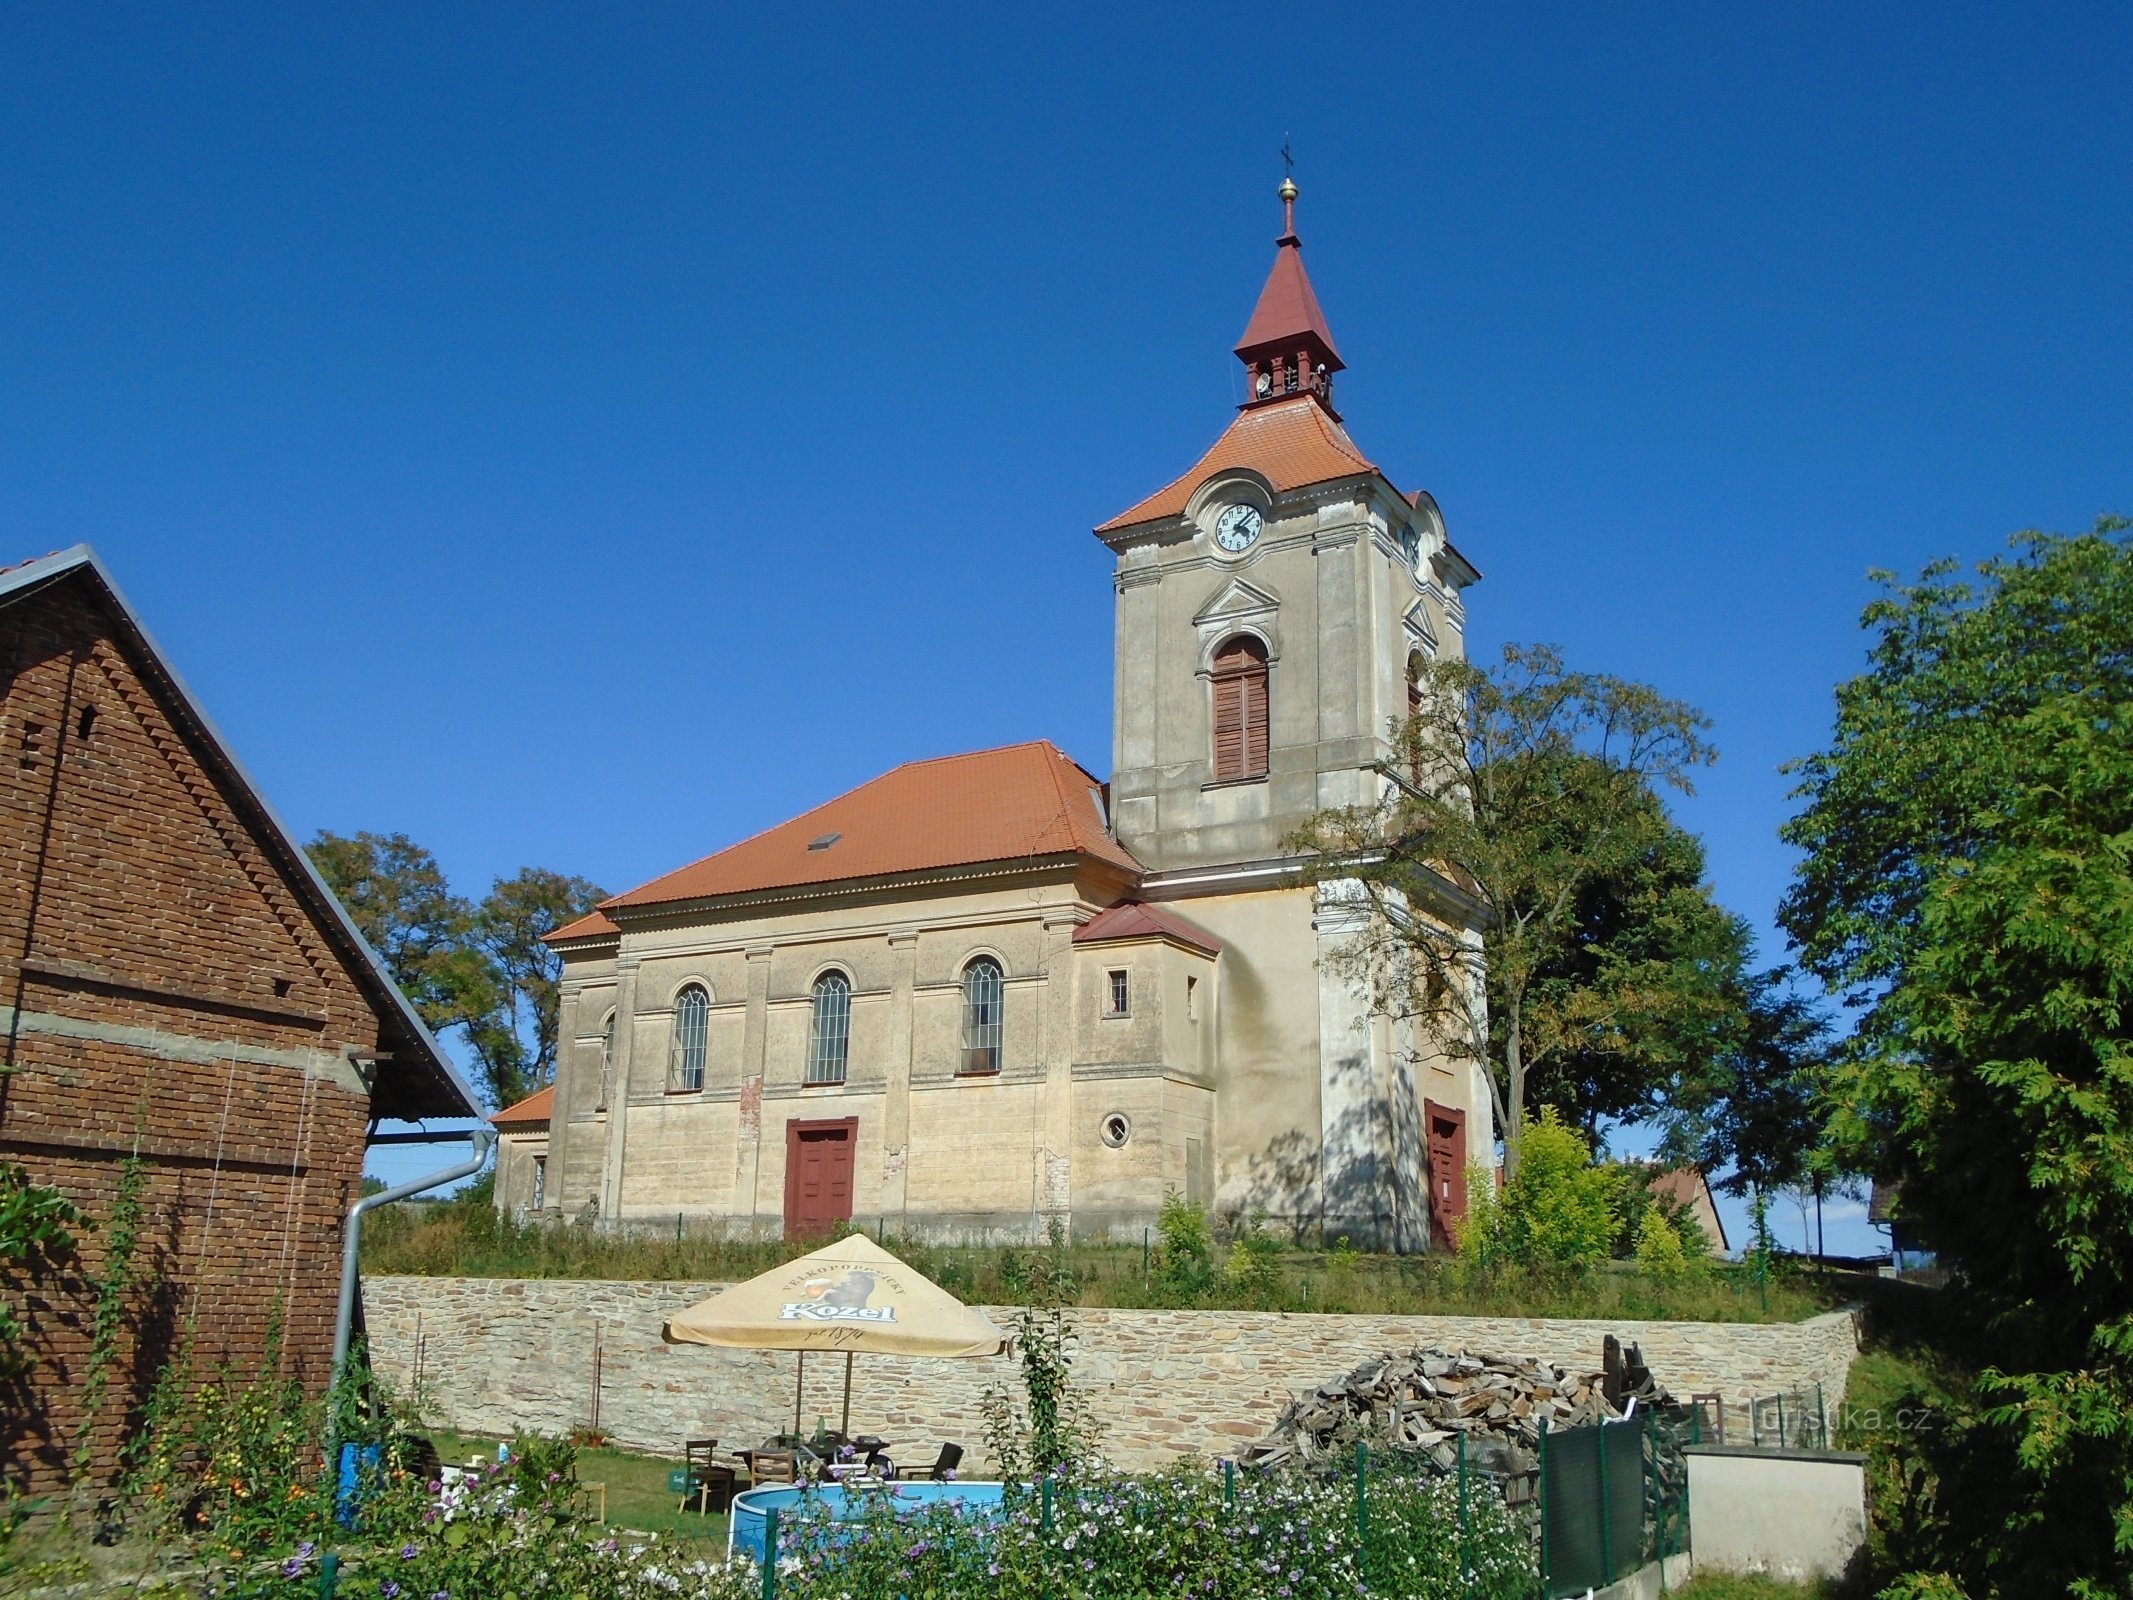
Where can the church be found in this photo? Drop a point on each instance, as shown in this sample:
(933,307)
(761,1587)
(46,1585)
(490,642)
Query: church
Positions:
(984,994)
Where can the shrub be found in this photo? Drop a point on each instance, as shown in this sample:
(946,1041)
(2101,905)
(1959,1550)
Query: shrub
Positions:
(1553,1212)
(1163,1534)
(1659,1249)
(1254,1264)
(1186,1266)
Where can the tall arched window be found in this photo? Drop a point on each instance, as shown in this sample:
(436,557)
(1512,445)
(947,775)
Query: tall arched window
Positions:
(607,1060)
(692,1037)
(1240,715)
(1414,711)
(830,1036)
(984,997)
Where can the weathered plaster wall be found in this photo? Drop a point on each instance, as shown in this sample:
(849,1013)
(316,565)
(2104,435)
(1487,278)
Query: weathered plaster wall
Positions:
(492,1354)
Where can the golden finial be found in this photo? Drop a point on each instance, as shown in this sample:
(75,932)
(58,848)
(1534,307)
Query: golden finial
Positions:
(1288,190)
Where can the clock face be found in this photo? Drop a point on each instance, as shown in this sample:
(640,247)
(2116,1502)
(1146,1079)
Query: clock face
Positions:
(1236,528)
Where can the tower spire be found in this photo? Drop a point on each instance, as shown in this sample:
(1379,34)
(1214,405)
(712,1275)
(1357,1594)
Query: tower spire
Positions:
(1287,348)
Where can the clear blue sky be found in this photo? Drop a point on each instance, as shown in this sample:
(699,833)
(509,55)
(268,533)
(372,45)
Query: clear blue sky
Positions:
(582,437)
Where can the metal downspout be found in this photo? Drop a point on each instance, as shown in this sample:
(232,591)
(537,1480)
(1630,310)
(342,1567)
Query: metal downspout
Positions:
(483,1140)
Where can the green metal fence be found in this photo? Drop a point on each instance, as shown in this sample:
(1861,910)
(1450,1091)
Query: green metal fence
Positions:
(1612,1497)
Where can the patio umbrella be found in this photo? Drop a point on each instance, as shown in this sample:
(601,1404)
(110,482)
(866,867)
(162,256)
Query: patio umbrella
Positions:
(848,1296)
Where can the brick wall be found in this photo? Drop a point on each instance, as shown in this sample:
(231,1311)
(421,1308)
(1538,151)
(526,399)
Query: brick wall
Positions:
(491,1354)
(165,992)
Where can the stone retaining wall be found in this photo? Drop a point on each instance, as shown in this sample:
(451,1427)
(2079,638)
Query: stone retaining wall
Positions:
(491,1354)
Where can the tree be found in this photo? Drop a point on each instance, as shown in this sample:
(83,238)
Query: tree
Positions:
(482,968)
(1648,987)
(397,896)
(1753,1109)
(514,1033)
(1516,792)
(1969,880)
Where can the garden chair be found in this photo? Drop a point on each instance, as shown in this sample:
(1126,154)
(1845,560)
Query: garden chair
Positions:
(773,1466)
(708,1481)
(944,1464)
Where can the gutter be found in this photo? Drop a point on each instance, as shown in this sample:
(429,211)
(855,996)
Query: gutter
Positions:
(483,1140)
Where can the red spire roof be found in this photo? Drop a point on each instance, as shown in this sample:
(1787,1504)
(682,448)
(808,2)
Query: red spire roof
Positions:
(1287,313)
(1287,346)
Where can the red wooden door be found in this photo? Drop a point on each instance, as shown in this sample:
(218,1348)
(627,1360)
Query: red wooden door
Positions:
(818,1175)
(1446,1143)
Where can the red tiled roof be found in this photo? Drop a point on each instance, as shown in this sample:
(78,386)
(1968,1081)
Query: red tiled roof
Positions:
(1135,919)
(1021,800)
(592,925)
(533,1111)
(1291,444)
(1287,308)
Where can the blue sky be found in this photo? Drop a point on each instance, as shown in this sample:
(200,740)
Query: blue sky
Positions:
(581,437)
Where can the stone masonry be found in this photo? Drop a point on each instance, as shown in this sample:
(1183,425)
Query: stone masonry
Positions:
(491,1354)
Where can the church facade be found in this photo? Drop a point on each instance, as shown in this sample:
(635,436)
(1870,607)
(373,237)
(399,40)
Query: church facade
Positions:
(989,992)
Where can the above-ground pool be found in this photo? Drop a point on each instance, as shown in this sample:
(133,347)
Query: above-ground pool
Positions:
(744,1533)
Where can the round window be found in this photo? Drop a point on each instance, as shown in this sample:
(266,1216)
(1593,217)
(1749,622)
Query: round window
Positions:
(1117,1130)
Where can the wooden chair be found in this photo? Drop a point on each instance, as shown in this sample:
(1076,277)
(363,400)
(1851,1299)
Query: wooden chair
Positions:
(947,1461)
(709,1482)
(773,1466)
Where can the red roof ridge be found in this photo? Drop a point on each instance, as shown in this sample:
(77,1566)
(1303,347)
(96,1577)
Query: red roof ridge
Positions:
(844,794)
(538,1106)
(1141,919)
(592,925)
(961,809)
(1267,439)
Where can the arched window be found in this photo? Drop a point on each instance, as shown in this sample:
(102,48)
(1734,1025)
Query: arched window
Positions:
(1240,715)
(692,1037)
(984,996)
(607,1060)
(1414,711)
(830,1036)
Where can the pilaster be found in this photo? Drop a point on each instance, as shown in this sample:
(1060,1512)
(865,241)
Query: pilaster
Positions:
(755,1051)
(1355,1192)
(618,1098)
(1055,1167)
(896,1103)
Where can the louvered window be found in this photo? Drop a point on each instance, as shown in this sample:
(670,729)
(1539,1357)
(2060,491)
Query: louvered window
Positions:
(984,994)
(830,1037)
(1240,710)
(692,1037)
(1414,712)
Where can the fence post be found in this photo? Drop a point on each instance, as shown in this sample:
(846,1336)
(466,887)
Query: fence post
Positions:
(1229,1484)
(329,1574)
(1822,1416)
(1607,1541)
(770,1553)
(1781,1419)
(1466,1563)
(1044,1489)
(1540,1502)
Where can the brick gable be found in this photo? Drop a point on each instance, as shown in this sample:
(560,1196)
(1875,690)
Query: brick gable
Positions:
(171,987)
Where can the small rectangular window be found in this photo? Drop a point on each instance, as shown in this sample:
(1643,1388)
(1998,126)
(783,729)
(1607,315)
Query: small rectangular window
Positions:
(1192,995)
(1117,1007)
(540,1180)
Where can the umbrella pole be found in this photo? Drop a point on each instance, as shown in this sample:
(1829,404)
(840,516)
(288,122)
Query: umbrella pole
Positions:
(799,1383)
(845,1427)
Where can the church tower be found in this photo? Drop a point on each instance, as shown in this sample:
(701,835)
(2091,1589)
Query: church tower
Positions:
(1275,604)
(1272,602)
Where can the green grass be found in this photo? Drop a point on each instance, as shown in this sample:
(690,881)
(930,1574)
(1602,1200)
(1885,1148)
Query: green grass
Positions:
(452,1240)
(637,1493)
(1744,1586)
